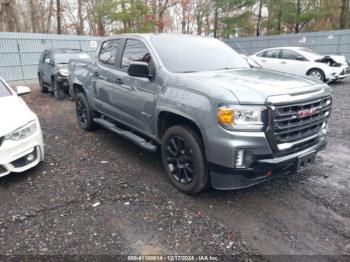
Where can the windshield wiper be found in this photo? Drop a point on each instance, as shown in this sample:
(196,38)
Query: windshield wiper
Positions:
(190,71)
(225,68)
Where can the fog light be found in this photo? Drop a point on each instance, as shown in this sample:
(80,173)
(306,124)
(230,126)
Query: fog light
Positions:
(30,158)
(244,158)
(240,155)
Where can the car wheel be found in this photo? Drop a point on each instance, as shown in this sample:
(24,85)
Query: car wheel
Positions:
(43,89)
(84,113)
(183,160)
(316,73)
(57,91)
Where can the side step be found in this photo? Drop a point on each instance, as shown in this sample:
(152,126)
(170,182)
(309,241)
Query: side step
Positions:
(127,134)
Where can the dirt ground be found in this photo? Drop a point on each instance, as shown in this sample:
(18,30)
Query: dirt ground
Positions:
(99,194)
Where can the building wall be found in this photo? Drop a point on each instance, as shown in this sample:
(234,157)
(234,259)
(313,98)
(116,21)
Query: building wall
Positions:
(20,52)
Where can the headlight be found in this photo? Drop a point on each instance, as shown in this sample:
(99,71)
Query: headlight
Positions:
(22,132)
(63,71)
(241,117)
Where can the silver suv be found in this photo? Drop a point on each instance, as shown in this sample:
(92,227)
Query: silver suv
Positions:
(218,121)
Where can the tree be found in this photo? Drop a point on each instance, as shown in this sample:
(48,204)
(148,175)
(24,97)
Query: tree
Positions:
(344,14)
(58,7)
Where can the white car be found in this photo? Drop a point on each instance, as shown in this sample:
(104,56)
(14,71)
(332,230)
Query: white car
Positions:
(303,61)
(21,139)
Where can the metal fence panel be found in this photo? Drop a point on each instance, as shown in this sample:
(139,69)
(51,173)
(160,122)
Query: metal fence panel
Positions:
(20,52)
(325,42)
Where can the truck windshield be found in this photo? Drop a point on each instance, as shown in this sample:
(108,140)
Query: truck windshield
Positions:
(4,91)
(186,54)
(63,58)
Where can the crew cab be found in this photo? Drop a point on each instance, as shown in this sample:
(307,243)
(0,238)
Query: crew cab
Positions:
(217,121)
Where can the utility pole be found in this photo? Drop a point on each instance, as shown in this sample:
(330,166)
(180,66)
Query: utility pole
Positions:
(58,4)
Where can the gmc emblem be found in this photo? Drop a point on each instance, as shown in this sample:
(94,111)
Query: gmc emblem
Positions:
(308,112)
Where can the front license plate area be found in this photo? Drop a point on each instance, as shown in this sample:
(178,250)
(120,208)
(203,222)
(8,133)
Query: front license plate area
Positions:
(305,160)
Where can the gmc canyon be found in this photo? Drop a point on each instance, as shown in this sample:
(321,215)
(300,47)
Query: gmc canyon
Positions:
(218,121)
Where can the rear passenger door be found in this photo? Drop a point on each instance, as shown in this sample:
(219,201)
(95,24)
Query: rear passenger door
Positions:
(104,77)
(270,59)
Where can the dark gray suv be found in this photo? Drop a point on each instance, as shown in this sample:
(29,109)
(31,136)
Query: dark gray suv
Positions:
(217,121)
(53,70)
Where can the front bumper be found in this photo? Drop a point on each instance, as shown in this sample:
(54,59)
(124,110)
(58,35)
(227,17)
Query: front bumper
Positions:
(62,82)
(13,154)
(342,73)
(263,169)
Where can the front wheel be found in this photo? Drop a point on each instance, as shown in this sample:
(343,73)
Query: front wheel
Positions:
(58,91)
(84,113)
(316,73)
(184,160)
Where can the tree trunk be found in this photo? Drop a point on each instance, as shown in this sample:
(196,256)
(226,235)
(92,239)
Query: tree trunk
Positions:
(344,14)
(48,27)
(297,23)
(32,9)
(258,24)
(216,21)
(161,22)
(58,5)
(80,18)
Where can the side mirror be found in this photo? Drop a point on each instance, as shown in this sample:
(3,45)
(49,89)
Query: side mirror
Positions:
(139,69)
(22,90)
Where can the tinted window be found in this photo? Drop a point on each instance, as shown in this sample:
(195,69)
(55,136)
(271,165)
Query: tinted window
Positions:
(135,51)
(196,54)
(289,54)
(4,91)
(108,52)
(272,53)
(63,58)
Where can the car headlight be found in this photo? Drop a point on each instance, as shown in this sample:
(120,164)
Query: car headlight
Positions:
(241,117)
(22,132)
(63,71)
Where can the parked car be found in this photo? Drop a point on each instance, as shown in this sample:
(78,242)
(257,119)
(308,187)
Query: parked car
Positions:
(218,121)
(53,70)
(21,139)
(304,61)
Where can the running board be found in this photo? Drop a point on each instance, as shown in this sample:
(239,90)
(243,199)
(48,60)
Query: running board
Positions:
(127,134)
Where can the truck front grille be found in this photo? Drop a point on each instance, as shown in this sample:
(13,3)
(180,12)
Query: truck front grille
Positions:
(300,123)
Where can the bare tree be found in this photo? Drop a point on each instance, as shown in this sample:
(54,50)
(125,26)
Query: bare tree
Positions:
(58,7)
(344,14)
(8,16)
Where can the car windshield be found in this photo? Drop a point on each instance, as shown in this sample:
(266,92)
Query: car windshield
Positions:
(4,91)
(63,58)
(187,54)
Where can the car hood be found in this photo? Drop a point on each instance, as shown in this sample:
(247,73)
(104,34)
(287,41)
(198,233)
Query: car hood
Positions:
(254,86)
(14,113)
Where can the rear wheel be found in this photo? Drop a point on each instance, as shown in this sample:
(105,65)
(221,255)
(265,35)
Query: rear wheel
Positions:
(183,159)
(43,88)
(84,113)
(316,73)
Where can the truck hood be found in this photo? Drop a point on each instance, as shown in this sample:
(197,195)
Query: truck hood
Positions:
(253,86)
(14,113)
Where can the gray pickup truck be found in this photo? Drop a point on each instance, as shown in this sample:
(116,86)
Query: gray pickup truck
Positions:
(218,121)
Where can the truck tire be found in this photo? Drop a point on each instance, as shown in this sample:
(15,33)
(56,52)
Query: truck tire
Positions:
(43,88)
(316,73)
(57,91)
(84,113)
(183,159)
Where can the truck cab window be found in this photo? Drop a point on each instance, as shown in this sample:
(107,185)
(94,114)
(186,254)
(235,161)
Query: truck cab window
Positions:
(108,52)
(135,51)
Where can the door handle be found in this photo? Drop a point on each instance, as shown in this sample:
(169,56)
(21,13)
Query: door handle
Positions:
(96,74)
(263,61)
(119,81)
(283,62)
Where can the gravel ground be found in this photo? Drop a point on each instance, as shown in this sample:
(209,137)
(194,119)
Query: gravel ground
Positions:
(99,194)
